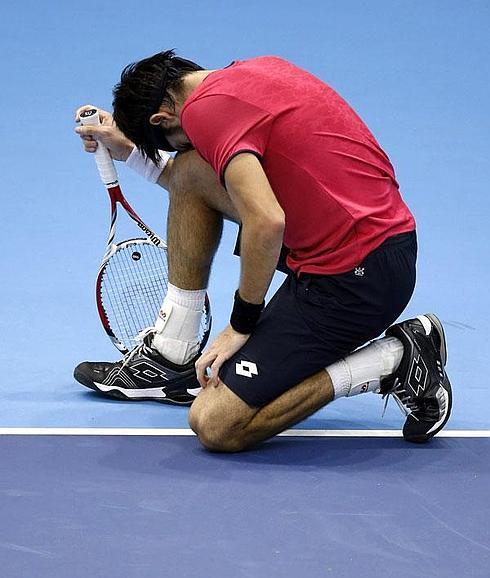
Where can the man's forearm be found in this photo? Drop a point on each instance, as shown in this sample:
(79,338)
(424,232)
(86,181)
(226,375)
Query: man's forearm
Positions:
(260,247)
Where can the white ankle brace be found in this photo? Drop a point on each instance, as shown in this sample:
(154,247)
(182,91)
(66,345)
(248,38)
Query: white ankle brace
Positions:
(177,332)
(362,370)
(192,299)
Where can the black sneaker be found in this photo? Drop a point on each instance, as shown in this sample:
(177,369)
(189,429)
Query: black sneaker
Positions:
(142,374)
(420,385)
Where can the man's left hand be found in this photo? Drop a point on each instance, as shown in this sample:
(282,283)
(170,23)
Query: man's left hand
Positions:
(227,343)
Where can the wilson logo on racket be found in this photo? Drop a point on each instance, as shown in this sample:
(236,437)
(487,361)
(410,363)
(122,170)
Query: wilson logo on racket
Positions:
(151,235)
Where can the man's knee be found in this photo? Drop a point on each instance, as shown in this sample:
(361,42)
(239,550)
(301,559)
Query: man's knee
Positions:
(217,426)
(189,171)
(193,180)
(213,434)
(194,417)
(217,439)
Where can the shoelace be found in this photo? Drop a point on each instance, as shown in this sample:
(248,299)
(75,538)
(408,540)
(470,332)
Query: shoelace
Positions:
(139,347)
(404,401)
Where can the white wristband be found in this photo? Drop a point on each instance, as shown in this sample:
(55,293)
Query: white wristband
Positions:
(146,168)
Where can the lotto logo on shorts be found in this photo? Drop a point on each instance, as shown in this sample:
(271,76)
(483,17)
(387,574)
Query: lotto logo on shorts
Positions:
(246,368)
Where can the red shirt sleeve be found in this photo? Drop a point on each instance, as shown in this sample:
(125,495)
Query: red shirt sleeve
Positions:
(221,126)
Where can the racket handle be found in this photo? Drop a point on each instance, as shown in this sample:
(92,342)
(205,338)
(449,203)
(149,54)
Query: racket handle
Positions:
(105,163)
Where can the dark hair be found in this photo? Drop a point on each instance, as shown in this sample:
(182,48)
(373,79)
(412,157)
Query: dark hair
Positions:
(144,87)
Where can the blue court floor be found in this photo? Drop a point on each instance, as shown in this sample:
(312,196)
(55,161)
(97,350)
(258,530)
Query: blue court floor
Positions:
(154,506)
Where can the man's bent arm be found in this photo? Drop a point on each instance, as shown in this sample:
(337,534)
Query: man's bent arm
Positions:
(262,221)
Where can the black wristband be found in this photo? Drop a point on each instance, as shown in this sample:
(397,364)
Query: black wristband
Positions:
(245,315)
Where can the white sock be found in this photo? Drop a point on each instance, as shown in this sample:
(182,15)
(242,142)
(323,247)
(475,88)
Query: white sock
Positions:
(178,323)
(362,370)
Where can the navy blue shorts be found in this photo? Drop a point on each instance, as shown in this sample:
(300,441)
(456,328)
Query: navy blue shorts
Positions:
(314,320)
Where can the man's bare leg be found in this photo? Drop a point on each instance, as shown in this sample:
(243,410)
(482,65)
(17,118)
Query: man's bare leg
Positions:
(224,422)
(195,220)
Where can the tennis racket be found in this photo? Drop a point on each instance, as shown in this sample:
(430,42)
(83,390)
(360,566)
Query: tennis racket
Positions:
(133,276)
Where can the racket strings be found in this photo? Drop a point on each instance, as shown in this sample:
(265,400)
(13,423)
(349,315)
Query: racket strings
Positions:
(133,285)
(117,278)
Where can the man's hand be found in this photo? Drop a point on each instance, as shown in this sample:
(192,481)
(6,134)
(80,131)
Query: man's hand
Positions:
(107,133)
(227,343)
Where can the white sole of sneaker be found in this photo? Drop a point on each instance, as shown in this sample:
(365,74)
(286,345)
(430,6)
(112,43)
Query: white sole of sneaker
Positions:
(150,394)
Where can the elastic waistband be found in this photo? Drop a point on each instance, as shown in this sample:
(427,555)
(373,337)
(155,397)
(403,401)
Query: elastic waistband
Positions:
(399,239)
(409,238)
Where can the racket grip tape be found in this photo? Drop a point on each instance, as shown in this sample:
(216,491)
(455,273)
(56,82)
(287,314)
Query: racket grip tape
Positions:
(103,159)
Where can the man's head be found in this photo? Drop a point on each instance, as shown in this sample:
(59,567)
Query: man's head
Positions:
(145,102)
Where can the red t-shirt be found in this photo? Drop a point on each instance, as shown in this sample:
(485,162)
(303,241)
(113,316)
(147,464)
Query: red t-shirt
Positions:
(333,181)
